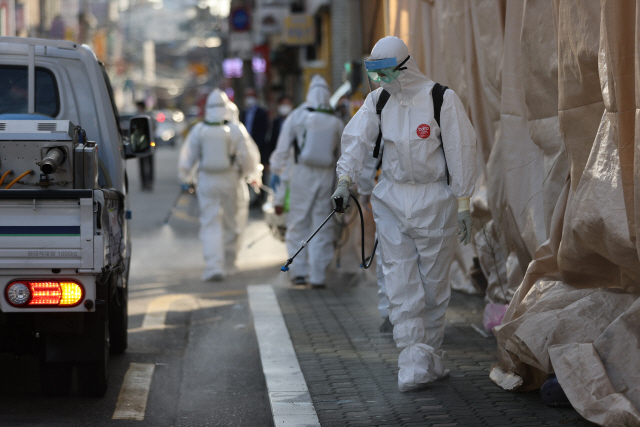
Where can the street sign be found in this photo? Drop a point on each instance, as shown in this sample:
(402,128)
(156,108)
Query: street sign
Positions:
(240,19)
(270,19)
(241,45)
(299,29)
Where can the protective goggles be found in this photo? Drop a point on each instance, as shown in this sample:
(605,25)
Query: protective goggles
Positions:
(386,70)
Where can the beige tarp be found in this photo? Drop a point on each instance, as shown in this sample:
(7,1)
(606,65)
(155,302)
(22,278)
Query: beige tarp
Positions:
(577,310)
(527,166)
(558,84)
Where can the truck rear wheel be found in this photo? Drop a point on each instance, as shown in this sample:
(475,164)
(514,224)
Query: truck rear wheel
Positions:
(55,378)
(93,375)
(118,319)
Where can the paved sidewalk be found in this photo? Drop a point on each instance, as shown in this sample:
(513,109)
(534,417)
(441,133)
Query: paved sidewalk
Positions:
(351,368)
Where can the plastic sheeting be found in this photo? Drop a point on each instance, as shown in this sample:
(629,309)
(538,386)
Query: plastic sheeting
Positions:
(577,311)
(559,86)
(502,271)
(527,166)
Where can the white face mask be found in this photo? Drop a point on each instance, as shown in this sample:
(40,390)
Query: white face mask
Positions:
(393,87)
(284,109)
(250,101)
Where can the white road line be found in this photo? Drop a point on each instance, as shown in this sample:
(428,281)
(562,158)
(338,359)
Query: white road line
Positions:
(146,293)
(132,401)
(157,310)
(289,397)
(156,285)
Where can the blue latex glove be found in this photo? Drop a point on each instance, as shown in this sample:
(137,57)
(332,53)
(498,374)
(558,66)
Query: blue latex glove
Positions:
(275,182)
(185,187)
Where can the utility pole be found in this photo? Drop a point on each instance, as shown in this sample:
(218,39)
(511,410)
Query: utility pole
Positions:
(42,14)
(83,22)
(239,85)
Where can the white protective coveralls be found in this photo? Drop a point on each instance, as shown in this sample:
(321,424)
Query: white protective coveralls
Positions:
(223,154)
(243,198)
(414,208)
(311,181)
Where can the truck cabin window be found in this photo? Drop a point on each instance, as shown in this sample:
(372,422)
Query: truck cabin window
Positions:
(14,91)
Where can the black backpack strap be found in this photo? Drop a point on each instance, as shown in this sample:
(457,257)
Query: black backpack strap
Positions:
(379,165)
(296,150)
(437,93)
(382,101)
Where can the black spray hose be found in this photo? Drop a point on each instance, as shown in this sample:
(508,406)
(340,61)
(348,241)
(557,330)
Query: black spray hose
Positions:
(366,262)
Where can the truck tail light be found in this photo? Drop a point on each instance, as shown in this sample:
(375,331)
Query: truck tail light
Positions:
(18,293)
(50,293)
(45,293)
(71,293)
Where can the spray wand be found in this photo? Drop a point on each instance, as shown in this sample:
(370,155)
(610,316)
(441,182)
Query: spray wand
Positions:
(366,262)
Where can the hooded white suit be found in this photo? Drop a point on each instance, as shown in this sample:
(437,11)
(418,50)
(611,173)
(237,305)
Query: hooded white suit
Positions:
(310,186)
(224,154)
(243,198)
(414,208)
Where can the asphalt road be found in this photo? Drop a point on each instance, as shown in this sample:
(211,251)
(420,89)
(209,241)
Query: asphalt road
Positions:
(194,340)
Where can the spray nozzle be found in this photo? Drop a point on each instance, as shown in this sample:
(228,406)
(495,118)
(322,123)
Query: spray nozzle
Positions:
(285,267)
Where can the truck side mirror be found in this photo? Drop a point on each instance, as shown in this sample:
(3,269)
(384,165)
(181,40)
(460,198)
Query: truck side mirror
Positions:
(141,142)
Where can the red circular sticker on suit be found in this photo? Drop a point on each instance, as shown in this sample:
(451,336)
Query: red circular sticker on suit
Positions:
(424,131)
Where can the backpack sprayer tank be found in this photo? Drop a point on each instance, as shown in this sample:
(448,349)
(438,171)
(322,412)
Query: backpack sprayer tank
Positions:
(47,154)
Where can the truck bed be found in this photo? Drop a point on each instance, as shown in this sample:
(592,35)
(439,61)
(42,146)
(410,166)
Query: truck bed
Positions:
(47,229)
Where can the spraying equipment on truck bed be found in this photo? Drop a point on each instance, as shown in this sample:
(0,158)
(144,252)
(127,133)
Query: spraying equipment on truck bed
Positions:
(47,153)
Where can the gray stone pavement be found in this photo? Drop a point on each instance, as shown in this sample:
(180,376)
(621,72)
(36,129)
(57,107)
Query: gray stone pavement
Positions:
(351,368)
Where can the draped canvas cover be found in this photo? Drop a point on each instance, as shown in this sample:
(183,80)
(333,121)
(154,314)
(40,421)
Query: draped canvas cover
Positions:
(553,88)
(577,310)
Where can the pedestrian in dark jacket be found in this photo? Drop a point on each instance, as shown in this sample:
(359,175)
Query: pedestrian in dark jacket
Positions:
(146,163)
(256,120)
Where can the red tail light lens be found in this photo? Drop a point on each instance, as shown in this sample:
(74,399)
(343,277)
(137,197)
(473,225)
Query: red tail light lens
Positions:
(45,293)
(50,293)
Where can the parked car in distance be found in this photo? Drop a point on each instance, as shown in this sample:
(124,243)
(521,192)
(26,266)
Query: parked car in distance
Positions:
(169,126)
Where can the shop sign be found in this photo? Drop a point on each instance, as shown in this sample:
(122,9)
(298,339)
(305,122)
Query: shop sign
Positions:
(299,30)
(271,19)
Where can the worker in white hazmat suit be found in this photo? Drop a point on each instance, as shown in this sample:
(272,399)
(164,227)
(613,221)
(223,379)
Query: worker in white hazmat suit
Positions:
(413,205)
(243,199)
(222,154)
(311,136)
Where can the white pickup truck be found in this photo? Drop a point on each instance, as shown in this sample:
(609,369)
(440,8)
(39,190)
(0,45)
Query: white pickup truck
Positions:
(65,247)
